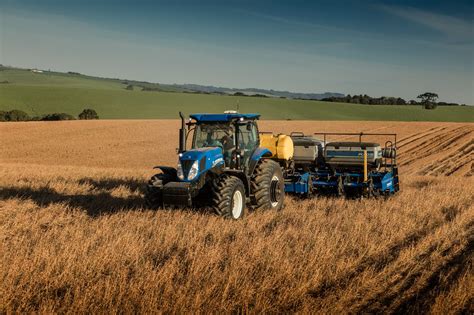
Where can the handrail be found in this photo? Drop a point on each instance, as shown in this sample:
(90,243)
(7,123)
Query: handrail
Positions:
(360,134)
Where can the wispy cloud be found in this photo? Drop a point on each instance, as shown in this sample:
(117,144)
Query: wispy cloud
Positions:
(304,25)
(457,29)
(280,19)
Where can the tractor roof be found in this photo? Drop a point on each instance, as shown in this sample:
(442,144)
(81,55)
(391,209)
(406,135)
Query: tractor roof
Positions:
(222,117)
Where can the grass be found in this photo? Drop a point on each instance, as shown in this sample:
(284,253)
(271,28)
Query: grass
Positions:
(75,235)
(44,93)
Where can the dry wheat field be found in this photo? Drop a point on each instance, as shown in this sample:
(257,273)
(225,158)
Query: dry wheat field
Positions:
(75,236)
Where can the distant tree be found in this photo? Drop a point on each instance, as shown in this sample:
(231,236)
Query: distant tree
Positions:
(129,87)
(16,115)
(151,89)
(3,115)
(239,94)
(447,104)
(88,114)
(365,99)
(57,116)
(401,101)
(428,100)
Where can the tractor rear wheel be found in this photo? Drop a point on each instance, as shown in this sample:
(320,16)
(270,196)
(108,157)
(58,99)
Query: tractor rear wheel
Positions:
(154,190)
(268,186)
(228,197)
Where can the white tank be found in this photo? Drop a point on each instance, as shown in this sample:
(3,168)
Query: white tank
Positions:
(308,150)
(352,153)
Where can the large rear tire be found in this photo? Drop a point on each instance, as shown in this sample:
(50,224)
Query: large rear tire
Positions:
(268,186)
(154,190)
(228,197)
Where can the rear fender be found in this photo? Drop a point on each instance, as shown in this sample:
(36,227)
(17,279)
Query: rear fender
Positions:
(257,155)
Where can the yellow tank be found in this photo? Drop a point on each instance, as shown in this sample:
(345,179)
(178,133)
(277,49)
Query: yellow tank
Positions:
(280,145)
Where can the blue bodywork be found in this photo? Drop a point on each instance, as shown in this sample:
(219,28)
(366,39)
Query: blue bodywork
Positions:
(385,182)
(222,117)
(259,153)
(298,184)
(207,158)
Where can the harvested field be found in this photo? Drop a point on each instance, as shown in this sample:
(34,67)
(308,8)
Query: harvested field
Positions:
(75,235)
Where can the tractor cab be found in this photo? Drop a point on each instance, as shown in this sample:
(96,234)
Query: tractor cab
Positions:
(236,135)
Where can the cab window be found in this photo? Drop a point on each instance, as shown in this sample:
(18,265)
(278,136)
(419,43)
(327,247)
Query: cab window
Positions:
(214,135)
(248,137)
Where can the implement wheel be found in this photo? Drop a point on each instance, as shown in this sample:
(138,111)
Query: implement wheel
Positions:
(268,186)
(370,191)
(340,187)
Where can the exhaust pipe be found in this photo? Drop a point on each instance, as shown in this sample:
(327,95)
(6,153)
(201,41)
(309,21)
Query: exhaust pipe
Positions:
(182,135)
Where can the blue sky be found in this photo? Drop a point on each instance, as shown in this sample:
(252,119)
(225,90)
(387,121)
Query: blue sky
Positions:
(391,48)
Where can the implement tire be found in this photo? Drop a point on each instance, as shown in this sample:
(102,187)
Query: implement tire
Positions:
(228,197)
(154,191)
(268,186)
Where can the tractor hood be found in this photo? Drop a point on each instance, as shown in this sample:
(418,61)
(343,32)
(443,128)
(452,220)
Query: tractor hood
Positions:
(197,154)
(206,158)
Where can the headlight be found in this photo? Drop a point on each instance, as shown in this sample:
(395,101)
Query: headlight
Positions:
(179,170)
(193,171)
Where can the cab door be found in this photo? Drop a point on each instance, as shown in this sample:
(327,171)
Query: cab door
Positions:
(248,141)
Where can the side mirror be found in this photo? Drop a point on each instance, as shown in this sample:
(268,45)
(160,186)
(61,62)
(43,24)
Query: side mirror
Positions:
(249,126)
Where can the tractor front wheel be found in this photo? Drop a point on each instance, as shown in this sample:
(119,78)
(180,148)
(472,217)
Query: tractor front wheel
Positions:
(228,197)
(268,186)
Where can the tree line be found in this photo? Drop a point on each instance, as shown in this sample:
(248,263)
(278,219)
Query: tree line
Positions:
(427,100)
(19,115)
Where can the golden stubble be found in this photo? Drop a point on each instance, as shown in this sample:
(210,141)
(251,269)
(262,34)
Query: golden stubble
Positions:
(75,235)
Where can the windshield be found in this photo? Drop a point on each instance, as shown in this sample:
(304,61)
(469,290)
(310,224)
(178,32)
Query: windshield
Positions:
(214,135)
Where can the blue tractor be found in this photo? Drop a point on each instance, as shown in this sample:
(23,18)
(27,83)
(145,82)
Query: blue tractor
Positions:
(225,168)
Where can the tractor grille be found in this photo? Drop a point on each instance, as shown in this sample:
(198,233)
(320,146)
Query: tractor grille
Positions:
(186,165)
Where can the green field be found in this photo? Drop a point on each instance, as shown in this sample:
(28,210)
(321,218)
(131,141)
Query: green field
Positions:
(41,93)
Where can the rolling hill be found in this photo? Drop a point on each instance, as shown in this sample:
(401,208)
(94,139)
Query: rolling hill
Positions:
(47,92)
